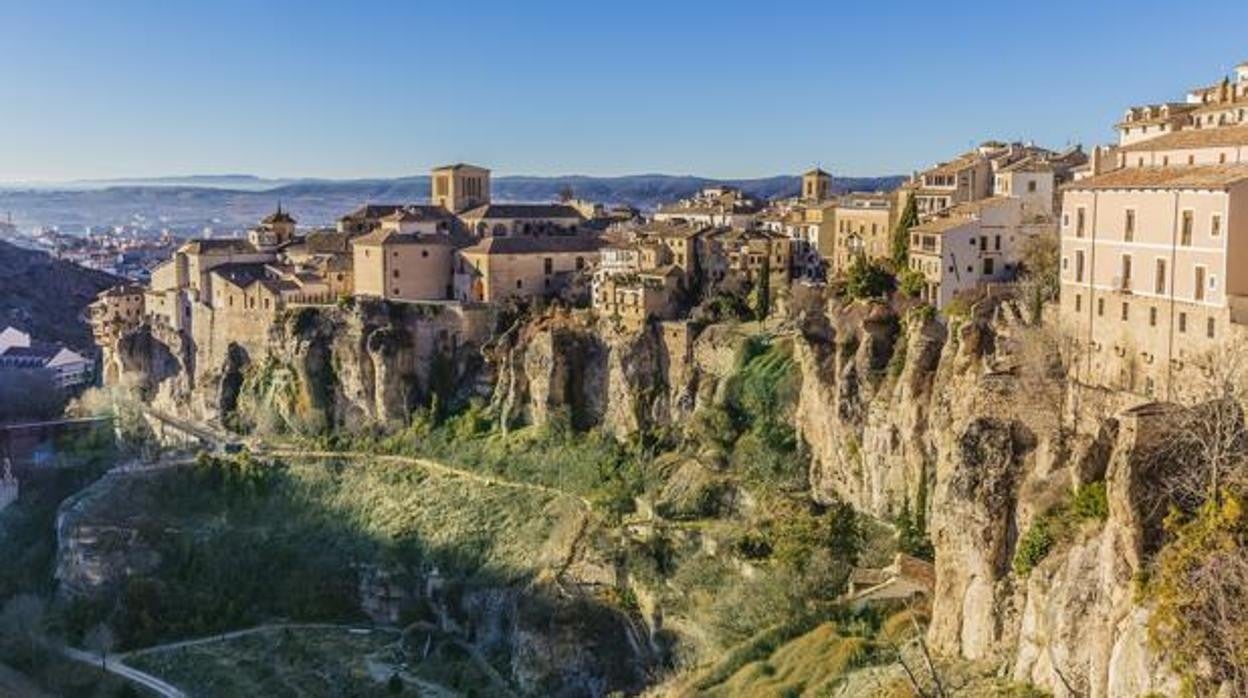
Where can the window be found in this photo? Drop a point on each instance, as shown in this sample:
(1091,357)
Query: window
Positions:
(1065,220)
(548,265)
(1152,317)
(1199,284)
(996,244)
(983,243)
(395,273)
(1031,186)
(1209,328)
(1079,265)
(1080,221)
(1128,228)
(424,253)
(580,261)
(1215,225)
(1126,272)
(1078,302)
(1159,282)
(1100,306)
(1182,322)
(519,283)
(988,266)
(1185,236)
(1126,311)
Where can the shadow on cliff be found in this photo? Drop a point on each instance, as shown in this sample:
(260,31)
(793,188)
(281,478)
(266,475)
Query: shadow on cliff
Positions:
(235,543)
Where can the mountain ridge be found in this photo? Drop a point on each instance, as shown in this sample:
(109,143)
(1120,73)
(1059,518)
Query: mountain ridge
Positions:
(189,209)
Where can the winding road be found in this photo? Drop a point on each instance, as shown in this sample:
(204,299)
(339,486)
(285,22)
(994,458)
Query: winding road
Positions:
(115,666)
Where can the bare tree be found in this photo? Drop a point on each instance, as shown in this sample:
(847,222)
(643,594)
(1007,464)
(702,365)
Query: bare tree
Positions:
(1206,449)
(100,639)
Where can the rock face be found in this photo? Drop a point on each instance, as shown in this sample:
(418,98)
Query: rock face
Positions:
(370,363)
(891,404)
(619,381)
(888,401)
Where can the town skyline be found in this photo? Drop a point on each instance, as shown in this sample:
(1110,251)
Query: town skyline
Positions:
(622,98)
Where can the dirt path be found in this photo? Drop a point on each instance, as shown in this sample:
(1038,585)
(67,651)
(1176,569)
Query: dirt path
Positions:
(113,665)
(442,468)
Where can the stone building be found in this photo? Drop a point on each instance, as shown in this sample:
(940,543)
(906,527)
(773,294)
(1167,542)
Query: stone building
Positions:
(411,266)
(714,206)
(460,187)
(116,311)
(497,268)
(1154,245)
(644,275)
(863,227)
(970,245)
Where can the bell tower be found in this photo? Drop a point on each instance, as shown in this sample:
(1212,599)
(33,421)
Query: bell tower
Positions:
(460,187)
(816,186)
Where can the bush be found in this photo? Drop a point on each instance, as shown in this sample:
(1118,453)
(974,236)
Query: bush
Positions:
(911,283)
(1034,546)
(1091,502)
(867,279)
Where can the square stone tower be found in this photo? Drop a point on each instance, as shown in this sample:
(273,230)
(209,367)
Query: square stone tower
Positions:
(460,187)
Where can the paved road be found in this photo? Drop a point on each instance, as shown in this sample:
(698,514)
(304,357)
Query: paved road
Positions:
(114,666)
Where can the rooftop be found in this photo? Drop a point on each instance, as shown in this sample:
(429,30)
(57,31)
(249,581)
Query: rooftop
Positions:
(539,244)
(1193,138)
(1183,177)
(523,211)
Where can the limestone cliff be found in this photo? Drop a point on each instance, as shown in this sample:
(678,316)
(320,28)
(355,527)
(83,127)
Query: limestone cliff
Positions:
(359,365)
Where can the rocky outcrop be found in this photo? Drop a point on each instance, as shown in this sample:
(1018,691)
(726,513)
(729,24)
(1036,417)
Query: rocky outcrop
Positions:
(866,393)
(368,363)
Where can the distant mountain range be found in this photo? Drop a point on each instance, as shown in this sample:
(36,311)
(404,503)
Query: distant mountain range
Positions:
(187,204)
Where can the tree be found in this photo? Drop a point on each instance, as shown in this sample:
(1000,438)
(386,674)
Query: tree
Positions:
(1038,274)
(29,394)
(901,232)
(866,279)
(100,639)
(760,298)
(22,623)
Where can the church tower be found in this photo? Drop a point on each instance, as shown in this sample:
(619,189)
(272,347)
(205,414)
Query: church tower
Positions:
(277,229)
(816,186)
(460,187)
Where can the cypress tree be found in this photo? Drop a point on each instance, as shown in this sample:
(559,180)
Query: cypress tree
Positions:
(901,233)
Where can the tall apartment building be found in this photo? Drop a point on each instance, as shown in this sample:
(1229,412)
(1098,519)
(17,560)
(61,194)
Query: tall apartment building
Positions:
(1154,260)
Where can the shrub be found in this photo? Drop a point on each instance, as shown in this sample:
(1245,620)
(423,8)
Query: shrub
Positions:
(1033,546)
(911,282)
(1091,502)
(867,279)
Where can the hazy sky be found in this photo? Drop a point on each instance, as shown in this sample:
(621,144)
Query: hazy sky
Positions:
(123,88)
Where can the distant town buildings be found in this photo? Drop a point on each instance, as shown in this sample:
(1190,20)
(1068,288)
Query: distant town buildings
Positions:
(66,368)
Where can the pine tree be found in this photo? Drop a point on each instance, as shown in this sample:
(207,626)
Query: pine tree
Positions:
(901,233)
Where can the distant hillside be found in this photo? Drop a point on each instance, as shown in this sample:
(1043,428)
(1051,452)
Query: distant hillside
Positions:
(170,203)
(47,297)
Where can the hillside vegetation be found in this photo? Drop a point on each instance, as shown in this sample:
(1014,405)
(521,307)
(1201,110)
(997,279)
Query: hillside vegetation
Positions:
(48,297)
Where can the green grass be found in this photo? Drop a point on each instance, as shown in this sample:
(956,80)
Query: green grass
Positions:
(238,544)
(305,663)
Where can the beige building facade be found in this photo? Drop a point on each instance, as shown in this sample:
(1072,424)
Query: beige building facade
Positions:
(1154,251)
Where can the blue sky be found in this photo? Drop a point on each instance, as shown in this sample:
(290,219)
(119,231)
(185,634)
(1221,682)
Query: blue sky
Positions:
(129,88)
